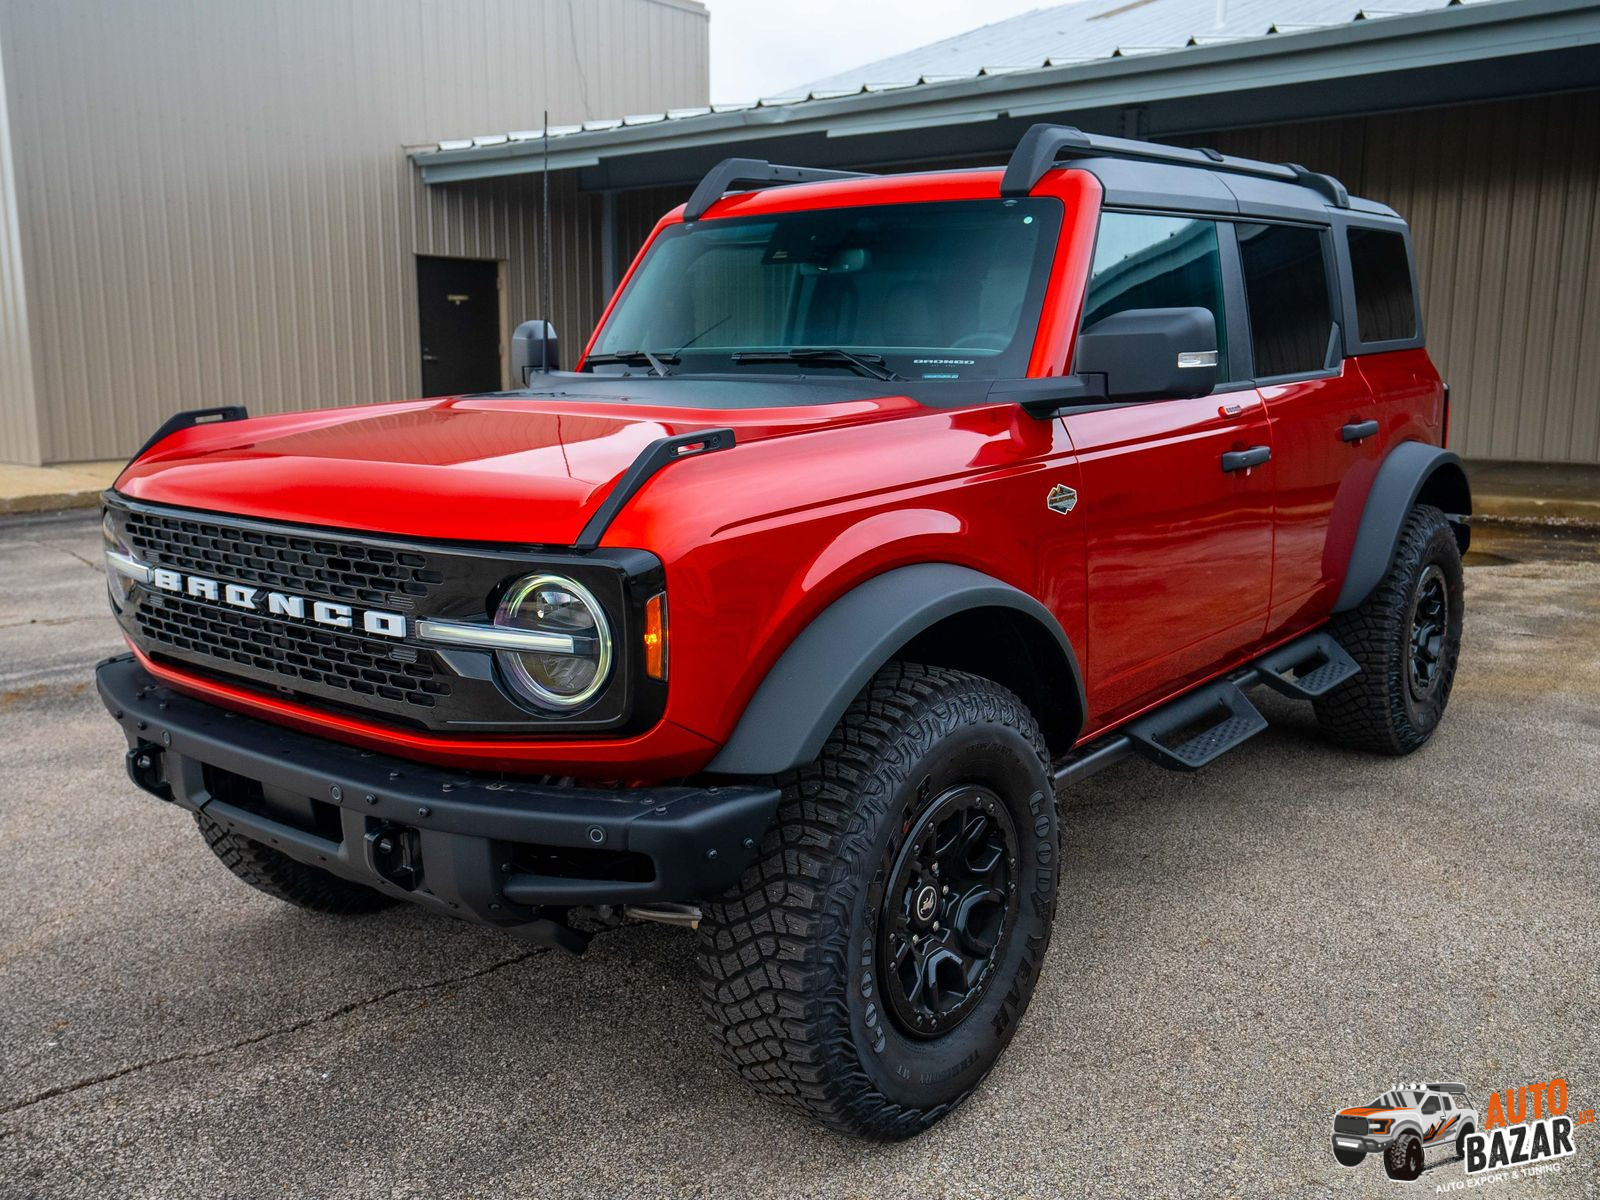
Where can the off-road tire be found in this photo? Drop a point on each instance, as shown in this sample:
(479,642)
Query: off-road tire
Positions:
(1461,1139)
(1403,1158)
(1378,710)
(275,873)
(1348,1157)
(789,959)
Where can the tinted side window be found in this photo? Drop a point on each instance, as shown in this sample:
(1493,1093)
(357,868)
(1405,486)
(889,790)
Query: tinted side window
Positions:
(1385,308)
(1286,286)
(1157,262)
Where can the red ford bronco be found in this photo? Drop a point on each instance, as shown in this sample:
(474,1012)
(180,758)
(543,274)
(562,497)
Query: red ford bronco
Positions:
(877,510)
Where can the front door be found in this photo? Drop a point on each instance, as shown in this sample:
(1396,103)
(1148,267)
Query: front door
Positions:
(1179,534)
(1179,548)
(458,303)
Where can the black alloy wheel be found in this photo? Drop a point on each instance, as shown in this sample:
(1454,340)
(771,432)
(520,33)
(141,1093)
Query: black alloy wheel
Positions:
(948,907)
(1430,619)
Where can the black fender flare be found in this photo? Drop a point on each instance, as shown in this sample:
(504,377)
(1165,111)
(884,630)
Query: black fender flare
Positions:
(813,682)
(1412,471)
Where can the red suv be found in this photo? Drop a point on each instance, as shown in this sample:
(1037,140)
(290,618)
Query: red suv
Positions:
(877,510)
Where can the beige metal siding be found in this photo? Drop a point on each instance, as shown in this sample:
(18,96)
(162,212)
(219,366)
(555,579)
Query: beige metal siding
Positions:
(1503,200)
(216,208)
(19,430)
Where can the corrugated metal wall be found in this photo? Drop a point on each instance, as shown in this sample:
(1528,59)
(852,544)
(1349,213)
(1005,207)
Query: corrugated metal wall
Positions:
(216,209)
(19,429)
(1503,199)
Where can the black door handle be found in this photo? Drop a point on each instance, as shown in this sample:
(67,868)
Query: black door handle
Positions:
(1357,430)
(1243,460)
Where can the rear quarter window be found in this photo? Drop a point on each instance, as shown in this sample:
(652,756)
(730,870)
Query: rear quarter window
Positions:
(1380,271)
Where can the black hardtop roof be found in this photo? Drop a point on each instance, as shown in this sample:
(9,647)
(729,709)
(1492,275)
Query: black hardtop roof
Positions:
(1133,174)
(1197,189)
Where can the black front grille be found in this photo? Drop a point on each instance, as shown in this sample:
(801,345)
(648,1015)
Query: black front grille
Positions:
(288,562)
(1350,1125)
(350,665)
(401,679)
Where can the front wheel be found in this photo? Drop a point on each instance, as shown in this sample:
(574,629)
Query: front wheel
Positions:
(872,964)
(1403,1159)
(1347,1156)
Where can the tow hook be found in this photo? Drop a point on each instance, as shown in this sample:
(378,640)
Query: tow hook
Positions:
(395,852)
(144,768)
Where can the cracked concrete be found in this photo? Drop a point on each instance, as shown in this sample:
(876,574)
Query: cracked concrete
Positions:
(264,1035)
(1238,953)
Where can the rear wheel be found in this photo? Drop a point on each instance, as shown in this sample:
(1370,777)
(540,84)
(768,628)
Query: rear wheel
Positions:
(1406,637)
(873,963)
(281,877)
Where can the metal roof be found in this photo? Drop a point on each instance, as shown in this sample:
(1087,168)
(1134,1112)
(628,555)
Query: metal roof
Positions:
(1092,29)
(1086,55)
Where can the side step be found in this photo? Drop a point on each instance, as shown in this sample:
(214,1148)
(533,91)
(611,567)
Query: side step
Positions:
(1305,669)
(1209,722)
(1204,725)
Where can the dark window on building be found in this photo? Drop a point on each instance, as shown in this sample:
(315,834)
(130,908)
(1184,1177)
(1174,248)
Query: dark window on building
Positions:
(1157,262)
(1386,310)
(1286,286)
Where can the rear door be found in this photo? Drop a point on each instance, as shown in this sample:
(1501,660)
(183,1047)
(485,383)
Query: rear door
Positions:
(1179,548)
(1326,432)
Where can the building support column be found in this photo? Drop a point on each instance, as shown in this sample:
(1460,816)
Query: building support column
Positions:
(610,269)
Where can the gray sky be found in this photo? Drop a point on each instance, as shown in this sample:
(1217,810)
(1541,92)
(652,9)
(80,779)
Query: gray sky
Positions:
(764,47)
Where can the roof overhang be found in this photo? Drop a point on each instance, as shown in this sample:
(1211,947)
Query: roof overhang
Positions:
(1453,55)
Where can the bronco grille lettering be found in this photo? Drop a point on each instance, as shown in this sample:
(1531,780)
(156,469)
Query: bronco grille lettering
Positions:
(278,604)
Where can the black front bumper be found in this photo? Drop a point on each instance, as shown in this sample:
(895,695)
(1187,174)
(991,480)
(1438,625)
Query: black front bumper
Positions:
(497,850)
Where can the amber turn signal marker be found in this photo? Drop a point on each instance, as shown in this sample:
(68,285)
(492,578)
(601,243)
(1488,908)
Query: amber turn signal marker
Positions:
(655,636)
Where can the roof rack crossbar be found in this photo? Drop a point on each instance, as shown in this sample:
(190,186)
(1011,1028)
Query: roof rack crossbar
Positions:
(730,171)
(1043,145)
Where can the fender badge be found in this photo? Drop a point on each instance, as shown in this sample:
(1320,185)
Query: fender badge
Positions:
(1061,499)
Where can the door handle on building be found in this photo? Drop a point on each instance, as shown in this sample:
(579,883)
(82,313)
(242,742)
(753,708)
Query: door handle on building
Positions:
(1243,460)
(1357,430)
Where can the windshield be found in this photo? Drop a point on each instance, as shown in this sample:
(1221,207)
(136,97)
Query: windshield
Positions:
(944,290)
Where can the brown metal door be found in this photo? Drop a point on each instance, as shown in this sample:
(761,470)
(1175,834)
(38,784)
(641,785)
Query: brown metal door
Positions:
(458,303)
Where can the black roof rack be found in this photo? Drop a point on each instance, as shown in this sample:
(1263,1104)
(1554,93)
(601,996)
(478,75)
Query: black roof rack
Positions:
(753,170)
(1042,145)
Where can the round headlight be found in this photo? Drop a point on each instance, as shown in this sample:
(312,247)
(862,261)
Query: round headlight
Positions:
(575,667)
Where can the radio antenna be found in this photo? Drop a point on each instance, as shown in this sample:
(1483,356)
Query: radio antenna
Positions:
(549,313)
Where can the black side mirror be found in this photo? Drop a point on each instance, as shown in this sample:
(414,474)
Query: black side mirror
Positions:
(534,347)
(1152,353)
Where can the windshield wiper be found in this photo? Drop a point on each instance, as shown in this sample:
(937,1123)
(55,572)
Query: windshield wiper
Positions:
(635,358)
(870,365)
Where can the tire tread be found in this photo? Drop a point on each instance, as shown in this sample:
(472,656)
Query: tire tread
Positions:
(281,877)
(773,950)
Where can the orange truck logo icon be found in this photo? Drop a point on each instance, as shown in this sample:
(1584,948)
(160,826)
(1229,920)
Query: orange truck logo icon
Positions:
(1404,1125)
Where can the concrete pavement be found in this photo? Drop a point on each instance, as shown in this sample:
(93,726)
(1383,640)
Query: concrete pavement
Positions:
(1237,954)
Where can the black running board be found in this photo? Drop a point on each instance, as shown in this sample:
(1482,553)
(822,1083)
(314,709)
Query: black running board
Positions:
(1201,726)
(1308,668)
(1198,729)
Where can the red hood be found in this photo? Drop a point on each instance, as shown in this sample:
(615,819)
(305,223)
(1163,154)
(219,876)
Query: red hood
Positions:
(492,469)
